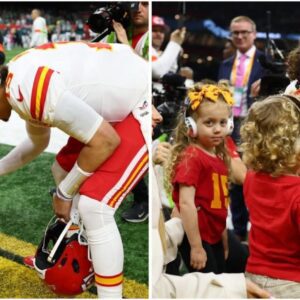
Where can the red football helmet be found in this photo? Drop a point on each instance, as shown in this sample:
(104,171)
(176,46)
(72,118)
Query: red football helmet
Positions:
(65,268)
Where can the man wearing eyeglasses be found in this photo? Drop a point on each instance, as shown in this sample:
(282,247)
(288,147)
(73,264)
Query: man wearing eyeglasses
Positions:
(242,69)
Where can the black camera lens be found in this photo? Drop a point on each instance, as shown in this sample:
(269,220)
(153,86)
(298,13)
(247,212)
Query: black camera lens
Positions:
(102,18)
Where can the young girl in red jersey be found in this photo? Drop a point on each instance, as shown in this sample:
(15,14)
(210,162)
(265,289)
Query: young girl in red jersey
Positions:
(271,145)
(198,171)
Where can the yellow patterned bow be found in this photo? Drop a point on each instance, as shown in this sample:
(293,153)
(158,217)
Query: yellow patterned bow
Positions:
(210,92)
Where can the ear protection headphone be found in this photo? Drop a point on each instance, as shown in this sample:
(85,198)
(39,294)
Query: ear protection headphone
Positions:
(189,121)
(190,124)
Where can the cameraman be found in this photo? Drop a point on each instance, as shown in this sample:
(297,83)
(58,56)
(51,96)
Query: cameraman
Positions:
(136,35)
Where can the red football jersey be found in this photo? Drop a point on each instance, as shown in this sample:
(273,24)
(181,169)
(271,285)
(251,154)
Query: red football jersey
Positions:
(208,174)
(274,241)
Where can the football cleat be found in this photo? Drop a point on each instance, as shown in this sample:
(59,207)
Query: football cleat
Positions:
(28,261)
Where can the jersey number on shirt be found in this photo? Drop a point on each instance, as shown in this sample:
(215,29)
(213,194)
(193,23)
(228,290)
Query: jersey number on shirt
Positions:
(220,184)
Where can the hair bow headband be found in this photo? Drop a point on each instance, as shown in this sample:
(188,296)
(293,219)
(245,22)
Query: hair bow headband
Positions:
(210,92)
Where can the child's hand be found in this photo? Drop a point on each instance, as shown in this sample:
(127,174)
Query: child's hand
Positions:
(198,258)
(162,152)
(175,213)
(254,291)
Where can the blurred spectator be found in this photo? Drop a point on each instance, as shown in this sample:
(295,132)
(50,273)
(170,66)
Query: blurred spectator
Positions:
(165,61)
(39,29)
(229,49)
(2,54)
(188,73)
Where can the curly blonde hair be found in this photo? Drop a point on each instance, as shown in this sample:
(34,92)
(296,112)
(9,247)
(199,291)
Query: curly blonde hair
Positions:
(293,61)
(270,136)
(182,139)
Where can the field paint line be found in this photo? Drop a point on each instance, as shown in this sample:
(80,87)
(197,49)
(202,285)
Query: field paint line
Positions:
(14,248)
(18,281)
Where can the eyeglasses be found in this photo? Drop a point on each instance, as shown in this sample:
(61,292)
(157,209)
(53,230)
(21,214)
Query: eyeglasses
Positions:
(243,33)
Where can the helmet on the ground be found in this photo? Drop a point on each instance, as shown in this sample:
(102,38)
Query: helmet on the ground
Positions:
(65,268)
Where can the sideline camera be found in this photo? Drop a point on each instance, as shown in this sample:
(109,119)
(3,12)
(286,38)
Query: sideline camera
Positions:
(101,20)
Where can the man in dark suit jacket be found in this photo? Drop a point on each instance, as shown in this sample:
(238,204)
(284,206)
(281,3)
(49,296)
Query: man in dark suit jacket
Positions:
(241,76)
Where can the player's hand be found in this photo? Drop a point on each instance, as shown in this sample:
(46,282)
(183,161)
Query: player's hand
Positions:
(161,153)
(254,291)
(178,35)
(198,258)
(120,32)
(62,208)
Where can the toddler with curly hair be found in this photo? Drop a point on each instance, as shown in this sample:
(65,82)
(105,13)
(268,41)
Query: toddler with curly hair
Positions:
(271,151)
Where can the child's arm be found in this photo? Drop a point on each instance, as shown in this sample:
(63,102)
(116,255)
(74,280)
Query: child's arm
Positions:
(189,216)
(225,243)
(238,170)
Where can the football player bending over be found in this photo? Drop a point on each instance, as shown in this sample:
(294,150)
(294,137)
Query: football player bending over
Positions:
(97,94)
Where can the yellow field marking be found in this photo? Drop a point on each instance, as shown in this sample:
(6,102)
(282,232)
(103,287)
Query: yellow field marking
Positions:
(17,281)
(15,246)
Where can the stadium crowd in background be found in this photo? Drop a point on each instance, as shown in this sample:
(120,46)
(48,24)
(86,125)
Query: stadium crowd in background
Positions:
(16,28)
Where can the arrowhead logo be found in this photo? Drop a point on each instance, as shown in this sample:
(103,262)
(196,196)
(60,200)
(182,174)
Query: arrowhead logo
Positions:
(21,98)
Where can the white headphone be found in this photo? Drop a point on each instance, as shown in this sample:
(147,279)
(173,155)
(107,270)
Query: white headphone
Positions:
(189,121)
(191,126)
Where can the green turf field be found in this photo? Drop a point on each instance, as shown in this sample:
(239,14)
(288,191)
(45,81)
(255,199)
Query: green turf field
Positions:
(10,54)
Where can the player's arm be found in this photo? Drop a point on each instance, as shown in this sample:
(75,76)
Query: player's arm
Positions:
(82,122)
(36,142)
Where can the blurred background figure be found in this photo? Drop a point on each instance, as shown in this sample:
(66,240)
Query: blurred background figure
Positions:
(187,73)
(165,61)
(39,29)
(229,49)
(2,53)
